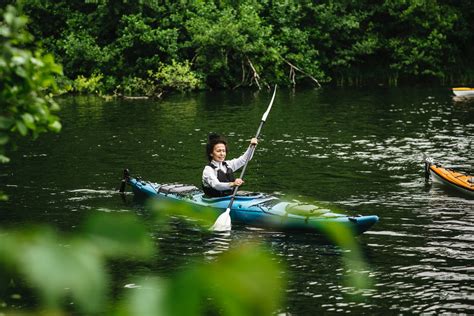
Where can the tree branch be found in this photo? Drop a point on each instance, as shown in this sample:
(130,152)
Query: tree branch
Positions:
(244,75)
(293,75)
(255,74)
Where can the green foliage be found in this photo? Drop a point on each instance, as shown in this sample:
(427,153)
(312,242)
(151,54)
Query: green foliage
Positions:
(81,54)
(61,268)
(226,40)
(177,76)
(342,236)
(419,48)
(118,236)
(52,263)
(230,285)
(347,41)
(233,283)
(168,77)
(27,77)
(89,85)
(244,43)
(142,43)
(204,217)
(136,86)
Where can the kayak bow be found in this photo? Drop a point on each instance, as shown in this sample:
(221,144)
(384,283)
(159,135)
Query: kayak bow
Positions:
(463,91)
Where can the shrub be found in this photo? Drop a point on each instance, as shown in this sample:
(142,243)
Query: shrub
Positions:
(92,84)
(177,76)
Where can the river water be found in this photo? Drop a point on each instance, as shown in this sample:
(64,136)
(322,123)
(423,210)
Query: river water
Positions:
(360,150)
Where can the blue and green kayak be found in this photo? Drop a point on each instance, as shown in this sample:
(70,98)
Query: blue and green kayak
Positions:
(254,209)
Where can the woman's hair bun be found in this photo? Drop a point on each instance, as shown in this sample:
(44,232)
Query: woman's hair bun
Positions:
(213,137)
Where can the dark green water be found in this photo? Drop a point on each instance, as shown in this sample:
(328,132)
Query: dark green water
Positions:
(360,150)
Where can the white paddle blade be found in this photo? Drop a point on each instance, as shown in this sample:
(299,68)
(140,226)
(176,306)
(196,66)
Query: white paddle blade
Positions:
(264,117)
(223,222)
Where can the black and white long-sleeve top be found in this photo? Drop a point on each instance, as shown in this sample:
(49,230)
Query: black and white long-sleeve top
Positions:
(209,174)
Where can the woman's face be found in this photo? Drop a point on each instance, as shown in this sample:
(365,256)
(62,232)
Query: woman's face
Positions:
(218,152)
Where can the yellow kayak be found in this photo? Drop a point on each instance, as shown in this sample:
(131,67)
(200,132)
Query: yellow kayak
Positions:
(463,91)
(456,180)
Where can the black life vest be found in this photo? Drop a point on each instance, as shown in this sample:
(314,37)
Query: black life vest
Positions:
(222,176)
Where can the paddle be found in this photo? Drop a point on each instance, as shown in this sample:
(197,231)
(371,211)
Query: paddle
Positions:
(224,222)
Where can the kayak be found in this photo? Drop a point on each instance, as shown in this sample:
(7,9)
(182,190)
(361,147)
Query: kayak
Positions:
(254,209)
(463,91)
(461,182)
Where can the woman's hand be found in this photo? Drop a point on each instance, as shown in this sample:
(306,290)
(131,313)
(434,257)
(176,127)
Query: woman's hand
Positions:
(237,182)
(254,141)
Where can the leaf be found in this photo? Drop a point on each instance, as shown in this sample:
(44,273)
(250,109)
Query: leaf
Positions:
(243,281)
(52,272)
(21,128)
(29,120)
(55,126)
(204,216)
(250,269)
(4,159)
(147,299)
(119,235)
(6,122)
(53,106)
(3,197)
(57,267)
(4,139)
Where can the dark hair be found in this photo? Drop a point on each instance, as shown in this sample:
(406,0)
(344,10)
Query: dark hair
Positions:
(212,140)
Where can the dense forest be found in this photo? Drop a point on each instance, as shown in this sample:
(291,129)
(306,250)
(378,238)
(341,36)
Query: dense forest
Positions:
(145,47)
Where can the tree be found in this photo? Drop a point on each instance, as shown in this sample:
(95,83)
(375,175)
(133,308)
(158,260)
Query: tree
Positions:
(418,37)
(255,43)
(27,81)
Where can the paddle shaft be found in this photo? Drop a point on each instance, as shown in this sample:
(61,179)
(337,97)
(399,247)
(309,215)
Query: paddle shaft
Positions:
(252,150)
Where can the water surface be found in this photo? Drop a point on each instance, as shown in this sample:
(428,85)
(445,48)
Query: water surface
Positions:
(360,150)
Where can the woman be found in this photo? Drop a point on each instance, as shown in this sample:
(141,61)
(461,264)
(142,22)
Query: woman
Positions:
(218,176)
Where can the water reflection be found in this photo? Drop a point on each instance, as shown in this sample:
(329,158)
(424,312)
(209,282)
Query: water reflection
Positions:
(218,243)
(463,99)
